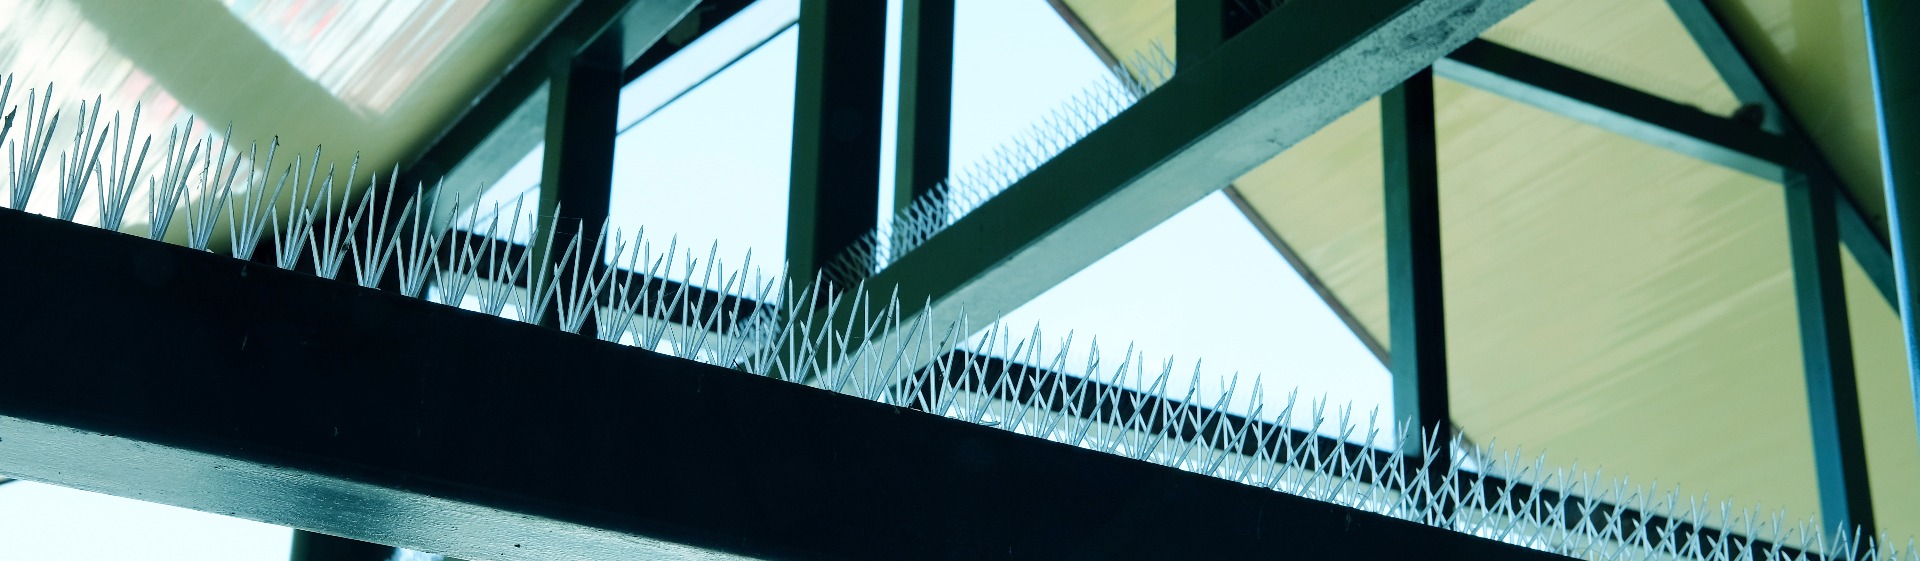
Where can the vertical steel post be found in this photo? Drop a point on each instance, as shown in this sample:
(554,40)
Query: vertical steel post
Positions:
(1814,209)
(926,98)
(1894,49)
(1826,346)
(576,181)
(1417,352)
(315,546)
(834,196)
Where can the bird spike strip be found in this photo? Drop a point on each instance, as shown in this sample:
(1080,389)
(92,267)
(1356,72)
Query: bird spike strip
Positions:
(662,298)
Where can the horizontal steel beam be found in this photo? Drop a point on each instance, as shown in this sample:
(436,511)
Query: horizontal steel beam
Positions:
(1608,105)
(181,377)
(1274,84)
(1016,382)
(1655,120)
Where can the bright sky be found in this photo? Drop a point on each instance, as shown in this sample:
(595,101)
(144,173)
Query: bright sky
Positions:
(712,166)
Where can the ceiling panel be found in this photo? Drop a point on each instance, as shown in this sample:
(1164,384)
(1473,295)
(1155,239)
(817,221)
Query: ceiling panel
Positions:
(1609,302)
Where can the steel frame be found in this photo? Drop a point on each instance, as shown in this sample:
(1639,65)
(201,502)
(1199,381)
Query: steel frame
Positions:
(1244,103)
(1892,48)
(1416,300)
(834,196)
(926,98)
(281,397)
(1818,213)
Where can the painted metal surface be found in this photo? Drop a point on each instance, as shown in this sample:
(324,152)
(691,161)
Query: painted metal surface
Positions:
(1638,314)
(926,98)
(1897,97)
(1415,291)
(284,398)
(834,196)
(1237,108)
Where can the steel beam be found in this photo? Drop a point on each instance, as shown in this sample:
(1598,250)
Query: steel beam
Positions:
(509,120)
(1817,226)
(187,378)
(926,98)
(1608,105)
(834,196)
(1654,120)
(1895,51)
(1006,380)
(1200,26)
(1416,307)
(576,182)
(1869,245)
(1826,347)
(1271,86)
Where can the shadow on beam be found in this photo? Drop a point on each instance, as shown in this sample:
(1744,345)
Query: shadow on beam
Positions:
(181,377)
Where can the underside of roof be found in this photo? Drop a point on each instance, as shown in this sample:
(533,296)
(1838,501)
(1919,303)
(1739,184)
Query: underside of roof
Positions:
(1609,300)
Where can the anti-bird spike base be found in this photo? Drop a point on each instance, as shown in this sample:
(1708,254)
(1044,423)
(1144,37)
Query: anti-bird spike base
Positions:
(670,300)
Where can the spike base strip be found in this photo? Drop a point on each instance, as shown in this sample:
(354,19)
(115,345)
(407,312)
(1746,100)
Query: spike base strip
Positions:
(186,378)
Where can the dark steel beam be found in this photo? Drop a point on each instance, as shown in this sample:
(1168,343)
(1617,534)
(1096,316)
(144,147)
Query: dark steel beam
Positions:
(1826,347)
(1012,381)
(509,120)
(834,196)
(1200,26)
(1820,219)
(1895,52)
(1416,308)
(1271,86)
(706,16)
(576,181)
(926,98)
(1608,105)
(1730,61)
(1654,120)
(187,378)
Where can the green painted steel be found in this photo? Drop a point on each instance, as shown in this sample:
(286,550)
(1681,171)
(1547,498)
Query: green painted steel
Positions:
(1271,86)
(1416,297)
(1826,348)
(926,98)
(576,180)
(1895,51)
(834,196)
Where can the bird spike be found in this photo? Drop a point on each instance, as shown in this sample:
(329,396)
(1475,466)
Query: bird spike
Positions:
(817,332)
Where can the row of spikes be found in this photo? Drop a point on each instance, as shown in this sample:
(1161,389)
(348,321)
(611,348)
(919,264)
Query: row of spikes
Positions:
(817,335)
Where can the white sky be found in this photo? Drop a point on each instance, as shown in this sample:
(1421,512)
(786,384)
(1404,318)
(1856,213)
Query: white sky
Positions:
(712,167)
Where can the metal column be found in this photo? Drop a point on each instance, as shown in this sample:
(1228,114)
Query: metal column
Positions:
(926,98)
(1892,47)
(835,192)
(1417,352)
(1826,345)
(1818,216)
(576,183)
